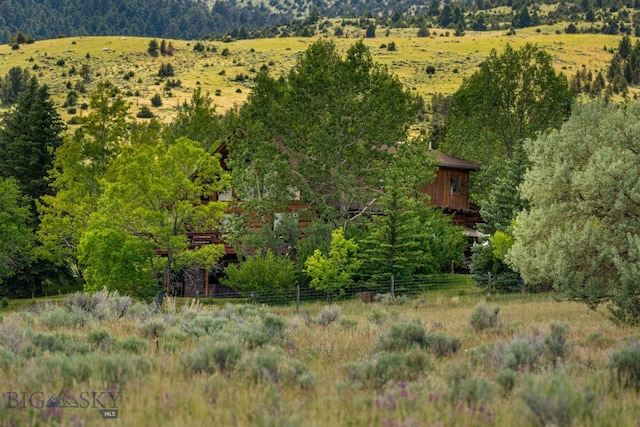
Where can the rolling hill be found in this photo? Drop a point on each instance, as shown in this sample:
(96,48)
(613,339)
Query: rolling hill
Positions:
(226,70)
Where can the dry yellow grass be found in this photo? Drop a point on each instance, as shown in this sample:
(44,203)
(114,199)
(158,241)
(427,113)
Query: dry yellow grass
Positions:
(169,395)
(110,58)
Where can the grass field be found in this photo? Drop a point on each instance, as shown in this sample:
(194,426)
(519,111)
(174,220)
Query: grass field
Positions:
(125,62)
(419,363)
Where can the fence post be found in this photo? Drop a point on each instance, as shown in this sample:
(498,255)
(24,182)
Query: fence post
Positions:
(489,287)
(297,299)
(393,292)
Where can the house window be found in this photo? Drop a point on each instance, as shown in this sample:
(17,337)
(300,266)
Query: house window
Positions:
(285,219)
(454,183)
(294,193)
(226,196)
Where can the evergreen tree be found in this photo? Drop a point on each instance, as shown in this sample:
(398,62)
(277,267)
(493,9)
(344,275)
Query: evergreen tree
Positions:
(394,244)
(14,82)
(29,134)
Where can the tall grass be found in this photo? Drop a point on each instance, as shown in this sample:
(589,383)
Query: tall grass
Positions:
(253,365)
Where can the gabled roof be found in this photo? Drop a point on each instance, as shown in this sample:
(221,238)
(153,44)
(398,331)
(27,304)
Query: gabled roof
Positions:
(447,161)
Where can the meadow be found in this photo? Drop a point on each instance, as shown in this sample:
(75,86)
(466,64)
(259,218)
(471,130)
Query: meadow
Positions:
(436,359)
(226,70)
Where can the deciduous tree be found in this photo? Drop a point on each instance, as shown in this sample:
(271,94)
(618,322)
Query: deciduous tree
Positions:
(580,233)
(152,199)
(334,121)
(515,95)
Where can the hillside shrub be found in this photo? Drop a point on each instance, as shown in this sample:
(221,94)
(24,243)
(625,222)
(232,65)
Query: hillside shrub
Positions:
(484,318)
(556,341)
(152,329)
(328,315)
(270,364)
(386,367)
(101,339)
(156,100)
(404,335)
(442,345)
(522,354)
(506,379)
(213,355)
(133,344)
(625,362)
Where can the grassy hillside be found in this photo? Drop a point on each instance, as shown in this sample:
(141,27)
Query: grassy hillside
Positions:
(227,69)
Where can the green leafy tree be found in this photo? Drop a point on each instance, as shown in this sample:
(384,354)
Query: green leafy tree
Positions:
(445,241)
(333,272)
(29,134)
(198,121)
(513,96)
(335,119)
(263,277)
(152,199)
(16,233)
(77,177)
(580,234)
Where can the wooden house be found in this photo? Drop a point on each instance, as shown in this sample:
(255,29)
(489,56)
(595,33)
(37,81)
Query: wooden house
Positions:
(449,191)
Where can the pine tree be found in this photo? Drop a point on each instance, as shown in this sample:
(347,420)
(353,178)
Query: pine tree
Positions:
(394,245)
(29,133)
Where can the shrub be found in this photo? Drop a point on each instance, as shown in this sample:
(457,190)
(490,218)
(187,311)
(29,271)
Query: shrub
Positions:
(110,304)
(4,302)
(404,335)
(553,400)
(506,379)
(431,69)
(328,315)
(484,318)
(262,277)
(388,299)
(60,343)
(269,329)
(152,329)
(166,70)
(118,368)
(556,341)
(521,354)
(55,317)
(377,317)
(100,339)
(626,364)
(145,113)
(79,300)
(441,345)
(270,363)
(348,323)
(386,367)
(214,355)
(156,100)
(133,345)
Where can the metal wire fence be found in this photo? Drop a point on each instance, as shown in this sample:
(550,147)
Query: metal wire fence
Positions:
(367,291)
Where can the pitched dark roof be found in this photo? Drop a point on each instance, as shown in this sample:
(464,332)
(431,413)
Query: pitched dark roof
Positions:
(447,161)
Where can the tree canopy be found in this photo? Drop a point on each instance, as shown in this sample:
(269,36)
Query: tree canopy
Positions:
(29,134)
(514,95)
(140,226)
(333,119)
(580,233)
